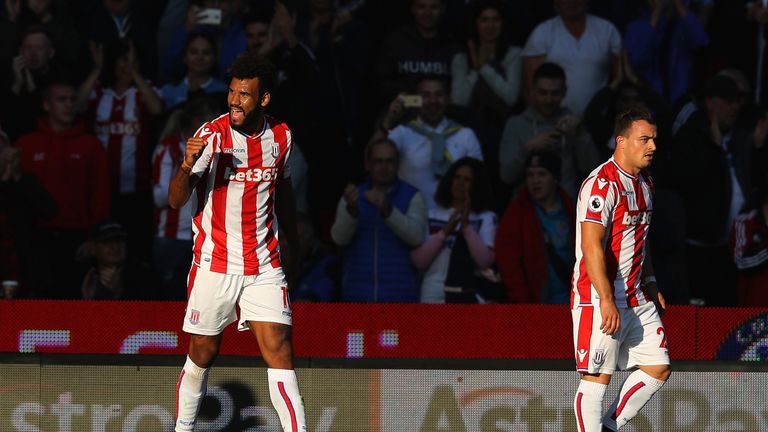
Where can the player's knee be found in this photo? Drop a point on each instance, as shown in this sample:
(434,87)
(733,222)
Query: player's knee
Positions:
(665,372)
(203,351)
(660,372)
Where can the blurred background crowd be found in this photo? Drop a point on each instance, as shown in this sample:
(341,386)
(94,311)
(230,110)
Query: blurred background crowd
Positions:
(440,143)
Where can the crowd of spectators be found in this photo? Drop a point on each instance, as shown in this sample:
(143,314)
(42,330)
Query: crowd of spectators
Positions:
(440,143)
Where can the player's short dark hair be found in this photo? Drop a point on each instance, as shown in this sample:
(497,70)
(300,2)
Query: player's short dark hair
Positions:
(369,147)
(549,70)
(250,65)
(480,194)
(625,118)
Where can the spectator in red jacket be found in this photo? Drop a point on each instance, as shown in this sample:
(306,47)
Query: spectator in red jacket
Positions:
(72,167)
(535,239)
(749,244)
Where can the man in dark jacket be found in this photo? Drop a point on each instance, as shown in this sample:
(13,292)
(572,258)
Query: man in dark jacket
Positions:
(23,203)
(378,223)
(535,239)
(711,161)
(414,51)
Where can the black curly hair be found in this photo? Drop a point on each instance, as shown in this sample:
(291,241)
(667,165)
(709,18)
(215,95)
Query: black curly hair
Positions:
(249,65)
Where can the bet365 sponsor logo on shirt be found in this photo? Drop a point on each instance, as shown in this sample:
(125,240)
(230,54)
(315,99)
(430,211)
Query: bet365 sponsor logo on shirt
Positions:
(266,174)
(642,218)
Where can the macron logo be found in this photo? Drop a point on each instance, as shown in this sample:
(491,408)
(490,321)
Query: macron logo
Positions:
(582,353)
(253,174)
(642,218)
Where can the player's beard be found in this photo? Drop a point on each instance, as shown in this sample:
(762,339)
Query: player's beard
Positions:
(250,122)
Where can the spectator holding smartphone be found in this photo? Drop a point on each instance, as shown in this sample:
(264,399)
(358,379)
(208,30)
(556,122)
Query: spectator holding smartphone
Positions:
(228,35)
(429,144)
(546,126)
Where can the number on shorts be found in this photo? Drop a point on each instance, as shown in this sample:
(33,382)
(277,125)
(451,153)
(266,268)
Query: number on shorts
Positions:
(660,331)
(286,300)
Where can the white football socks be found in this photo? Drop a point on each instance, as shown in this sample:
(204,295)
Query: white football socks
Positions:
(284,392)
(588,406)
(636,391)
(190,390)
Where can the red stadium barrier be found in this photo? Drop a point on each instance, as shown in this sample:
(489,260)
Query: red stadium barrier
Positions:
(338,330)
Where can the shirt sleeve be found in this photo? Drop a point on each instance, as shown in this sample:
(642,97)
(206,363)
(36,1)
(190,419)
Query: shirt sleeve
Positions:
(463,80)
(162,172)
(597,200)
(507,85)
(473,145)
(344,226)
(212,137)
(410,227)
(538,42)
(487,231)
(750,252)
(289,150)
(614,39)
(397,136)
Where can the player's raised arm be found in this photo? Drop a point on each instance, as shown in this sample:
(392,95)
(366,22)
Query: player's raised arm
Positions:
(594,260)
(185,179)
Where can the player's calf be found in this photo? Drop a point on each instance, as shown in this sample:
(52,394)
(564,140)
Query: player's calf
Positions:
(190,390)
(588,405)
(636,391)
(285,396)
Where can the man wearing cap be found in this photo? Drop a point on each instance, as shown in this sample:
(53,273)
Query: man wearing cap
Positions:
(534,242)
(711,159)
(113,275)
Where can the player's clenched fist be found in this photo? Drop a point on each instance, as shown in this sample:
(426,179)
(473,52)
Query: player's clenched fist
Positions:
(195,147)
(611,317)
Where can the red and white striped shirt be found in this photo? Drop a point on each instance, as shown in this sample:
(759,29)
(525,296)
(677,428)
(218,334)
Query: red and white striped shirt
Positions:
(120,125)
(169,223)
(233,218)
(623,204)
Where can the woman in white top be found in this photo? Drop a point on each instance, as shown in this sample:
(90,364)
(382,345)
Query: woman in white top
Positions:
(461,235)
(490,67)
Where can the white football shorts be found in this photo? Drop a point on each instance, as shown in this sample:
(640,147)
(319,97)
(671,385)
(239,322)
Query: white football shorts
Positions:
(213,296)
(640,341)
